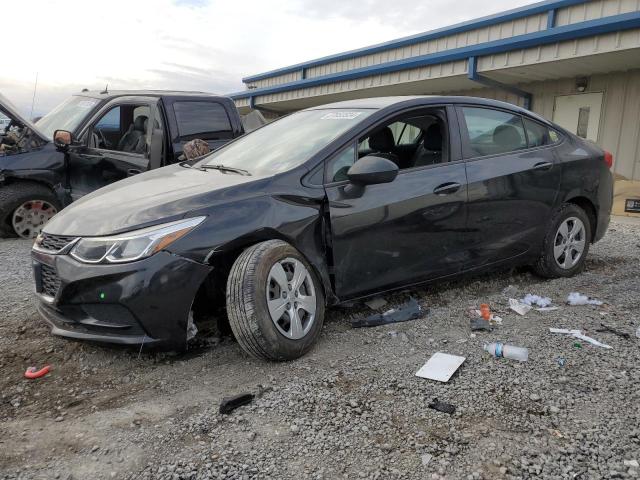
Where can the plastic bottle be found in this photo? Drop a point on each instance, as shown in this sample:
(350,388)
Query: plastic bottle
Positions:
(507,351)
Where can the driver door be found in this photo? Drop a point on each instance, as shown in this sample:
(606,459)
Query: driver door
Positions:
(114,145)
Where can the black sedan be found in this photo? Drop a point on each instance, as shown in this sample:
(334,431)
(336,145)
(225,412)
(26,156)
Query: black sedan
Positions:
(325,205)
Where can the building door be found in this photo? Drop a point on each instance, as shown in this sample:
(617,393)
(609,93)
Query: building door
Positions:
(580,114)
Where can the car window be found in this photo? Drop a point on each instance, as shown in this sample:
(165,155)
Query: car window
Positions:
(204,120)
(492,132)
(404,134)
(340,164)
(122,128)
(110,121)
(539,135)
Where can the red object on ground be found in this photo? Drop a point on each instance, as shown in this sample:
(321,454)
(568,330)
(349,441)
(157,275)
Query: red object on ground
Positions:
(484,311)
(32,373)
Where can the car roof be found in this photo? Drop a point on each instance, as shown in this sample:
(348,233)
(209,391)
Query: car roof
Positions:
(146,93)
(384,102)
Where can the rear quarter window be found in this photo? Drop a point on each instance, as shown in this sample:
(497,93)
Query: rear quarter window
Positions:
(204,120)
(538,134)
(492,132)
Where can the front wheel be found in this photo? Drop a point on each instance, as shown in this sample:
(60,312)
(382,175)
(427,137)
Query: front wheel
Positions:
(25,208)
(566,243)
(275,302)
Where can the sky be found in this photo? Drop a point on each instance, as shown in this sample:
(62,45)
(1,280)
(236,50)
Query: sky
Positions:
(204,45)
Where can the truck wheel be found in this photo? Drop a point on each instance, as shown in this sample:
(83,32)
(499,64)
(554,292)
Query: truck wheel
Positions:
(25,208)
(275,302)
(566,243)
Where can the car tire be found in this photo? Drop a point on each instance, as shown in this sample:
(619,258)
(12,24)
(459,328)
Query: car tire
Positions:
(552,263)
(14,196)
(255,277)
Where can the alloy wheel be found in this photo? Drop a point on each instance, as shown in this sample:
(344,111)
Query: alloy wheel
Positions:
(569,243)
(29,218)
(291,298)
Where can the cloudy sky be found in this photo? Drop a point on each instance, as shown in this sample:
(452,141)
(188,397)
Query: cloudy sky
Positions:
(204,45)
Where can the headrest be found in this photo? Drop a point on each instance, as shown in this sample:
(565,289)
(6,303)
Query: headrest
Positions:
(140,123)
(382,140)
(433,138)
(507,136)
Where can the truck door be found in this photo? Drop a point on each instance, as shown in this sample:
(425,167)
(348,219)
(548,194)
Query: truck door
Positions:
(115,145)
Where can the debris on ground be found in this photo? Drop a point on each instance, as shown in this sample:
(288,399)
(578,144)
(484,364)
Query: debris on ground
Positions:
(32,373)
(229,404)
(547,309)
(500,350)
(426,458)
(442,406)
(375,303)
(532,300)
(519,307)
(578,334)
(561,361)
(477,314)
(607,328)
(480,324)
(510,291)
(576,298)
(485,312)
(410,310)
(440,367)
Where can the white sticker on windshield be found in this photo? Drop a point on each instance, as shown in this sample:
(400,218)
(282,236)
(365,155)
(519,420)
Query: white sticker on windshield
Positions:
(340,116)
(87,103)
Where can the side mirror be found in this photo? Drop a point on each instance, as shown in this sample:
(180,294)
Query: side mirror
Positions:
(62,139)
(371,170)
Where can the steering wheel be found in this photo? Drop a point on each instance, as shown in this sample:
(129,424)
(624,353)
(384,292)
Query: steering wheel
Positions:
(105,143)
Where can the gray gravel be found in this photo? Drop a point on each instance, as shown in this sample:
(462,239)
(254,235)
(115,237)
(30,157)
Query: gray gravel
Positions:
(352,408)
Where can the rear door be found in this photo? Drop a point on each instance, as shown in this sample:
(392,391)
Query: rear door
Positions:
(392,234)
(202,118)
(513,182)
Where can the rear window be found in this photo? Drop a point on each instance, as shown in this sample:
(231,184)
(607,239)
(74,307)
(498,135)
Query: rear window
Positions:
(204,120)
(539,135)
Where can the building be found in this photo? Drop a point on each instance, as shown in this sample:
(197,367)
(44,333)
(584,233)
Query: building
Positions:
(575,62)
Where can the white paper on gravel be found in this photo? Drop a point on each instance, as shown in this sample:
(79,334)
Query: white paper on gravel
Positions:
(519,307)
(440,367)
(580,335)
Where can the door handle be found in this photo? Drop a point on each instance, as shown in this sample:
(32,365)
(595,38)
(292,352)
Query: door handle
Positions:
(543,166)
(447,188)
(133,171)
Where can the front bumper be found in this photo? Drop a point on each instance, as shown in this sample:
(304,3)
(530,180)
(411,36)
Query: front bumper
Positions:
(144,302)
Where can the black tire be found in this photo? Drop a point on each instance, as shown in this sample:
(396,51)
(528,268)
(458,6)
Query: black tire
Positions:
(14,195)
(247,309)
(546,266)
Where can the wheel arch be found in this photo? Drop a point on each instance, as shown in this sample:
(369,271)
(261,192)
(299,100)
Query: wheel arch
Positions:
(590,209)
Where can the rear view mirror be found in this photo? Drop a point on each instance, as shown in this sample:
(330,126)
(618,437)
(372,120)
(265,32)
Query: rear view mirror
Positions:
(371,170)
(62,139)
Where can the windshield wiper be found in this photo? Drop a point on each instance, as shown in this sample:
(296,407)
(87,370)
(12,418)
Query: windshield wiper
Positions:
(224,168)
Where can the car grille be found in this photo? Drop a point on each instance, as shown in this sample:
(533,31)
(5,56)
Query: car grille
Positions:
(55,243)
(50,281)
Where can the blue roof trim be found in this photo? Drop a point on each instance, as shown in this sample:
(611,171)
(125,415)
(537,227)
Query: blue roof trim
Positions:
(567,32)
(514,14)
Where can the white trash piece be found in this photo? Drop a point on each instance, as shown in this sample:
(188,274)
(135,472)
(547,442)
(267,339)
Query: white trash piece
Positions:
(440,367)
(536,300)
(576,298)
(638,332)
(519,307)
(580,335)
(500,350)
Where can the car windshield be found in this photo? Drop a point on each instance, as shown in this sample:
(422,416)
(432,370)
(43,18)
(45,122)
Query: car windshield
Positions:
(288,142)
(66,116)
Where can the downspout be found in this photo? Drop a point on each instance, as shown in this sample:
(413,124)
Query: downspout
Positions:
(472,74)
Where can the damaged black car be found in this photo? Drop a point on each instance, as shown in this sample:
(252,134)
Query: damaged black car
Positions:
(325,205)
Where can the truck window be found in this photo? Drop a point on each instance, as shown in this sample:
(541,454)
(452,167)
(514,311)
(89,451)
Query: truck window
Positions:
(123,128)
(204,120)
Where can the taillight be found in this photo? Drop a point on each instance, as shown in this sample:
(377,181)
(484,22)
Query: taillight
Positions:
(608,159)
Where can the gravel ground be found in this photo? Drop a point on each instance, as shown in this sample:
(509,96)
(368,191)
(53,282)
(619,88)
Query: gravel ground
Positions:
(352,408)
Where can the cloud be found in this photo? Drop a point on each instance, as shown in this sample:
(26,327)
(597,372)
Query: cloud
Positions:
(195,44)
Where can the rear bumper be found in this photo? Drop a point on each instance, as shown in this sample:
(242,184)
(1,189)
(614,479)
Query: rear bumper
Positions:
(605,205)
(144,302)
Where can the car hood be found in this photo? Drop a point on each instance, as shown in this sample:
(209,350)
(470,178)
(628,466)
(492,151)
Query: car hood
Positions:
(151,198)
(12,112)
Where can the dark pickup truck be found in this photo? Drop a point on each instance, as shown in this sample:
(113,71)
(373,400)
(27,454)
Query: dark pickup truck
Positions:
(113,135)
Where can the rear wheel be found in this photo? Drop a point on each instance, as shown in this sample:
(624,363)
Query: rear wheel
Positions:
(25,208)
(275,302)
(566,243)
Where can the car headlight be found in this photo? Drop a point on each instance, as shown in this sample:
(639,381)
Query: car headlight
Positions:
(132,245)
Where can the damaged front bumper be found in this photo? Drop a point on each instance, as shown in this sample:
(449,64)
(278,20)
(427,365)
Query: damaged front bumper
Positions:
(143,302)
